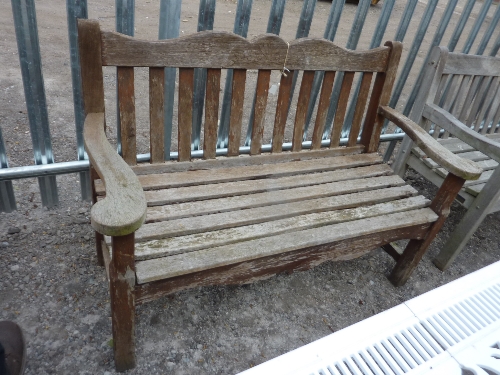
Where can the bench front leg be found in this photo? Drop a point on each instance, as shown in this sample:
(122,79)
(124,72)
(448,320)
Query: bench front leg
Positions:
(416,249)
(122,283)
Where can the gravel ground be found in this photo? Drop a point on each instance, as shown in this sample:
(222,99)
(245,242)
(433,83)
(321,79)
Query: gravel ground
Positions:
(51,283)
(53,287)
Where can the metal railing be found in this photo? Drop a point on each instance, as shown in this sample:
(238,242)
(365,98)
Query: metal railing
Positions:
(482,24)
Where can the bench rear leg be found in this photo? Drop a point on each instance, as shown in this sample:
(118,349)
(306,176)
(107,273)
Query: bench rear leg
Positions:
(122,283)
(98,236)
(416,249)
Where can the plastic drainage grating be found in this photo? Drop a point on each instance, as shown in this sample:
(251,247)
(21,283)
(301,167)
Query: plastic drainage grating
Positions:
(428,334)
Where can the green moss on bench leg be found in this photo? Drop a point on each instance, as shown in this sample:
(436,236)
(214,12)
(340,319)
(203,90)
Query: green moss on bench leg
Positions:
(416,249)
(122,283)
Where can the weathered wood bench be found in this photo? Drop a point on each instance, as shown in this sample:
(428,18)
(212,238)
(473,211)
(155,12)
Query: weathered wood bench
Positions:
(459,101)
(238,218)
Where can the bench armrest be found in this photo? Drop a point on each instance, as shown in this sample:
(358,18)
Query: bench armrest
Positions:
(466,169)
(123,210)
(450,123)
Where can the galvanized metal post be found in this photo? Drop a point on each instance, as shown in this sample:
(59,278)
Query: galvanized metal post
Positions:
(241,22)
(7,198)
(78,9)
(170,19)
(352,42)
(330,32)
(477,25)
(205,22)
(124,21)
(273,27)
(375,42)
(34,92)
(489,32)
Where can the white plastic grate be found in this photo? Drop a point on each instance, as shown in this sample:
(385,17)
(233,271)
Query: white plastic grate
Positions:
(417,337)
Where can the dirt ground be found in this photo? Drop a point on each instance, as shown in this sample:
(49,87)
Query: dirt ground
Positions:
(51,283)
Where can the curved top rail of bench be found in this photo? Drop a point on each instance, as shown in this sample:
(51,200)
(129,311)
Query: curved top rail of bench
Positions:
(219,49)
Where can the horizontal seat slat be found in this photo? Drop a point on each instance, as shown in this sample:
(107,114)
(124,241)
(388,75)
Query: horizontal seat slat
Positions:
(207,239)
(200,192)
(175,265)
(203,177)
(178,227)
(175,211)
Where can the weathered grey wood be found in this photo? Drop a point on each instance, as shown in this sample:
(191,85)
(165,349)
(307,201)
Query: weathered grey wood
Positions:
(490,97)
(274,197)
(123,189)
(482,206)
(455,127)
(227,189)
(126,104)
(211,113)
(301,113)
(338,121)
(324,103)
(263,268)
(186,82)
(478,103)
(259,115)
(251,172)
(364,90)
(471,94)
(230,218)
(217,237)
(176,265)
(282,111)
(156,97)
(494,108)
(472,64)
(482,179)
(476,156)
(236,116)
(209,49)
(98,236)
(460,167)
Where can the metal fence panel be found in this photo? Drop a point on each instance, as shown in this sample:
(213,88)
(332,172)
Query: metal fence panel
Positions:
(7,198)
(34,92)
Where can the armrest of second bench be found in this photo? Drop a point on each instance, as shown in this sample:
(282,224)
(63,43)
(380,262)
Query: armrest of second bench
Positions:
(123,210)
(466,169)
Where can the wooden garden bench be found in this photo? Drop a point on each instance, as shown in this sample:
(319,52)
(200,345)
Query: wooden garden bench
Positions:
(167,226)
(459,101)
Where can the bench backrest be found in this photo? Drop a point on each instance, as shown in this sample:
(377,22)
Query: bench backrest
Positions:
(467,86)
(221,50)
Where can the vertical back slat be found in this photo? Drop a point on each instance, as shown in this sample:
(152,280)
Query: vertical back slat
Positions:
(461,93)
(259,114)
(186,79)
(236,115)
(126,100)
(211,113)
(491,97)
(364,90)
(338,121)
(477,105)
(324,102)
(476,80)
(496,120)
(451,96)
(282,111)
(302,105)
(156,130)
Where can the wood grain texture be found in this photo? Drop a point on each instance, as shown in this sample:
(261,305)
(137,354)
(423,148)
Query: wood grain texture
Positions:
(209,49)
(301,110)
(236,115)
(156,97)
(123,210)
(466,169)
(323,105)
(227,189)
(176,265)
(126,106)
(211,113)
(122,295)
(205,176)
(89,44)
(282,111)
(338,121)
(263,268)
(98,236)
(186,81)
(459,63)
(259,115)
(222,229)
(274,197)
(364,90)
